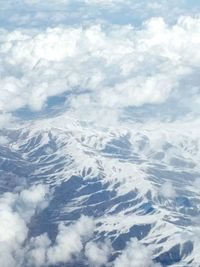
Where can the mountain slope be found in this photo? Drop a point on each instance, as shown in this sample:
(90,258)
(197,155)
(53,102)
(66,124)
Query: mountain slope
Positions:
(141,183)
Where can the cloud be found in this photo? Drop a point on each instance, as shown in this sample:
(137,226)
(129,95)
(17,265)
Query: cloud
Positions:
(33,199)
(167,190)
(68,245)
(135,255)
(98,253)
(105,3)
(35,13)
(69,241)
(34,2)
(109,69)
(36,254)
(16,210)
(6,120)
(3,140)
(17,249)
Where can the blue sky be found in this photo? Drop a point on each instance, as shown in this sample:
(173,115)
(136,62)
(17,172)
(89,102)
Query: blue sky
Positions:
(24,13)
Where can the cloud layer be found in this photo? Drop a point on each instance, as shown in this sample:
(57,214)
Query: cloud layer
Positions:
(16,211)
(34,13)
(135,255)
(101,69)
(72,243)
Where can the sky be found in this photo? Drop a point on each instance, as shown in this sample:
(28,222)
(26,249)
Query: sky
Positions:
(94,59)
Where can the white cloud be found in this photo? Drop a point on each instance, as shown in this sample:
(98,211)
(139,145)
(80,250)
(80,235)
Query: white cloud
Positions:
(29,199)
(6,120)
(35,13)
(35,2)
(119,67)
(167,190)
(69,241)
(135,255)
(36,253)
(15,213)
(105,2)
(58,3)
(3,140)
(68,245)
(98,253)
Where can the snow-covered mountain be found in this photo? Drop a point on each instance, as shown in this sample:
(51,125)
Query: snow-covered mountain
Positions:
(138,182)
(99,133)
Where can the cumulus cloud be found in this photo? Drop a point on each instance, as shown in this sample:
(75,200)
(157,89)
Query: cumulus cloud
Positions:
(3,140)
(167,190)
(16,249)
(110,69)
(135,255)
(69,241)
(68,245)
(32,199)
(36,254)
(33,2)
(6,120)
(105,2)
(98,253)
(16,210)
(58,3)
